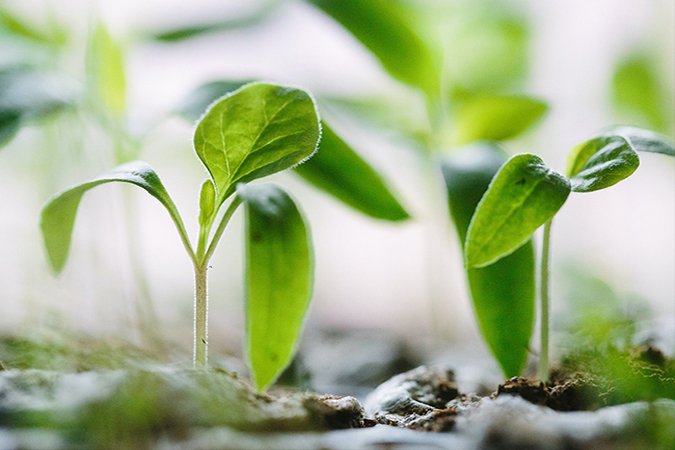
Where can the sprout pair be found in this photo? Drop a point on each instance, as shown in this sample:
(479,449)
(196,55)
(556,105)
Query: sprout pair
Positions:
(525,194)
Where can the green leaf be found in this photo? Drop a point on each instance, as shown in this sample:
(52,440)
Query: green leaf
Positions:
(27,95)
(106,64)
(58,215)
(496,117)
(18,27)
(644,140)
(255,131)
(279,279)
(207,202)
(601,162)
(194,105)
(487,45)
(340,171)
(182,33)
(522,196)
(638,92)
(382,26)
(503,293)
(10,121)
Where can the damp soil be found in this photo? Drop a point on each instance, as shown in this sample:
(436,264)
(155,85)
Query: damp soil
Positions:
(588,403)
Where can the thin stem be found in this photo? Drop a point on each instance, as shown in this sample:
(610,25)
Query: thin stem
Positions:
(545,296)
(201,267)
(201,322)
(221,228)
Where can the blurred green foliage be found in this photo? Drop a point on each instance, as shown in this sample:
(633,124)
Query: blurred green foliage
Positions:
(641,95)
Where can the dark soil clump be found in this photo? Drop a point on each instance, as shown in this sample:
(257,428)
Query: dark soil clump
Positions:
(570,394)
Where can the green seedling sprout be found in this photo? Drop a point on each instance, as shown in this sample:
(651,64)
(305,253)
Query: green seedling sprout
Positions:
(525,194)
(252,132)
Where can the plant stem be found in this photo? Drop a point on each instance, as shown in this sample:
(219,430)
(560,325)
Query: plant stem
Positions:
(545,296)
(201,324)
(201,266)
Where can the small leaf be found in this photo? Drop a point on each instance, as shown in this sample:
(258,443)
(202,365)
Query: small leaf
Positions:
(503,293)
(194,105)
(207,202)
(496,117)
(601,162)
(279,279)
(58,215)
(340,171)
(522,196)
(255,131)
(644,140)
(106,64)
(382,27)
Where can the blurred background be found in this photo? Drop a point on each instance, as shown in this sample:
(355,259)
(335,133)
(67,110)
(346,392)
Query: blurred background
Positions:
(110,77)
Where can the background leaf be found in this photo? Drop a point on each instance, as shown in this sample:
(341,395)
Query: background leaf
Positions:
(522,196)
(341,172)
(255,131)
(503,293)
(486,45)
(382,26)
(58,215)
(638,92)
(26,95)
(16,26)
(182,33)
(496,117)
(106,71)
(279,279)
(194,105)
(10,122)
(601,162)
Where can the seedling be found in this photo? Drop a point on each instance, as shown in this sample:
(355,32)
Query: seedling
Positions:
(252,132)
(525,194)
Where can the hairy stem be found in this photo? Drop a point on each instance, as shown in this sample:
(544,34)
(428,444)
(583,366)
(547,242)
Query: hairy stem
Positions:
(201,325)
(201,266)
(545,296)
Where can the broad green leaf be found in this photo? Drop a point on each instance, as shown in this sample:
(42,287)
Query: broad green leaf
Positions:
(106,68)
(340,171)
(503,293)
(255,131)
(279,279)
(601,162)
(194,105)
(496,117)
(522,196)
(382,26)
(644,140)
(58,215)
(638,92)
(26,95)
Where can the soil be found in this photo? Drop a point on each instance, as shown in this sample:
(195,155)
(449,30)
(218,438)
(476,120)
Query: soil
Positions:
(170,408)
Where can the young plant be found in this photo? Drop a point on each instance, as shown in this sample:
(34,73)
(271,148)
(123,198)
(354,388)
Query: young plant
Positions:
(252,132)
(525,194)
